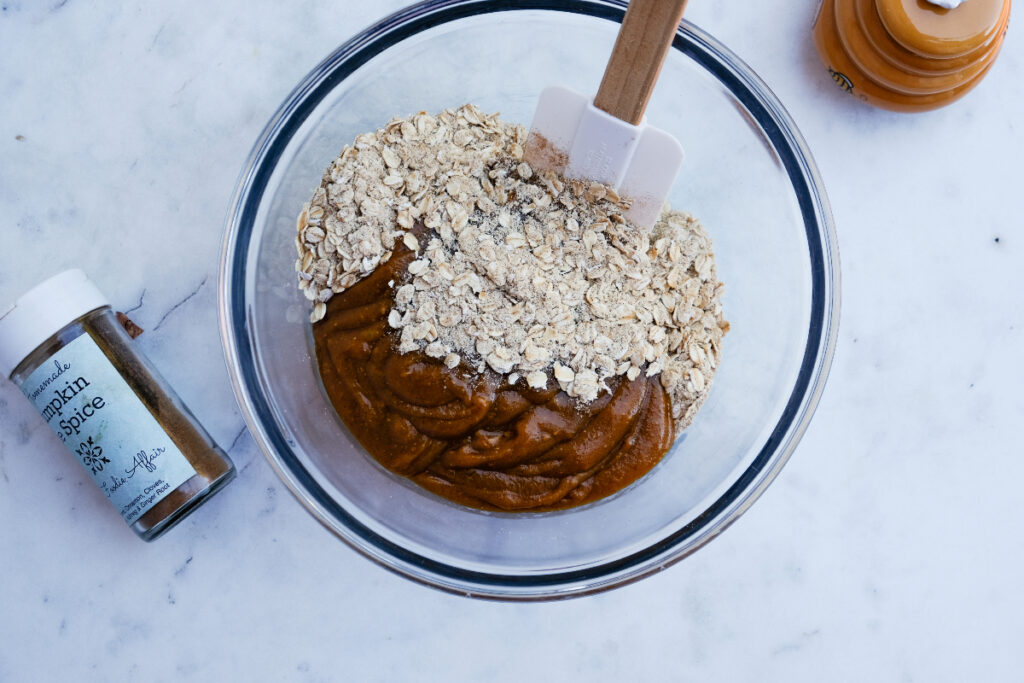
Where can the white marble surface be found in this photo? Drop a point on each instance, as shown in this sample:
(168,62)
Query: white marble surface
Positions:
(889,549)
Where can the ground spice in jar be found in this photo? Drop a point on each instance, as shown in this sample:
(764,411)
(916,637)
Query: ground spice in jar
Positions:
(63,346)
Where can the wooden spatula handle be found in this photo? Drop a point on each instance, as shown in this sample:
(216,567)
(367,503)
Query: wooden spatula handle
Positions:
(644,40)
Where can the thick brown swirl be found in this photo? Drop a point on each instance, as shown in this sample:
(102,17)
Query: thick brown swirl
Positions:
(472,437)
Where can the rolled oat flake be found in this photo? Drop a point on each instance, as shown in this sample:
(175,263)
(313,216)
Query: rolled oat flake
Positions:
(62,345)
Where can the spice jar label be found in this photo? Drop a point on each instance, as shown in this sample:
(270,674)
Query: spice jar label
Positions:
(107,428)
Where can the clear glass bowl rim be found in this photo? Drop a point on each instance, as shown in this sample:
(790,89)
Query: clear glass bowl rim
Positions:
(822,332)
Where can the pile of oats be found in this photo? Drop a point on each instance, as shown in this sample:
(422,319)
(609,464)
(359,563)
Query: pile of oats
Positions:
(538,277)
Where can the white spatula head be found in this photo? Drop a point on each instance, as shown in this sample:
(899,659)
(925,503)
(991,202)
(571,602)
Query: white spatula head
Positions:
(572,137)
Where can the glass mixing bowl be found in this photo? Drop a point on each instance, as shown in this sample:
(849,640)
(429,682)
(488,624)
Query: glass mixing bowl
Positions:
(748,175)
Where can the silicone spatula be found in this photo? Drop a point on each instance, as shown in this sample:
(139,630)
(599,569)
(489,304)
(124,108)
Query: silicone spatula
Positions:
(607,139)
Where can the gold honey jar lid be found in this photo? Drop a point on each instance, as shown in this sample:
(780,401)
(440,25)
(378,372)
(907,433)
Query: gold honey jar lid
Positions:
(893,52)
(929,30)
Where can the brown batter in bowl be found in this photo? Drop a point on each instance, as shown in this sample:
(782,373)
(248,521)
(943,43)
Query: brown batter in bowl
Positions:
(473,437)
(503,337)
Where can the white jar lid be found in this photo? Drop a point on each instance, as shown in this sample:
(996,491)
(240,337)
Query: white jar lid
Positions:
(42,312)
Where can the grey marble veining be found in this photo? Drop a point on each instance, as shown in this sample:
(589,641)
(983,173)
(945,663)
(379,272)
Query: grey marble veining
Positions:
(889,549)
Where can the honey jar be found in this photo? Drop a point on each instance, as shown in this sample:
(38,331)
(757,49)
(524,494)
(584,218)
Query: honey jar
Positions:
(910,55)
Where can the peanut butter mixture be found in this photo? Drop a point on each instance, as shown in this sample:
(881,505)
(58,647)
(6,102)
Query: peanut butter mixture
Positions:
(503,337)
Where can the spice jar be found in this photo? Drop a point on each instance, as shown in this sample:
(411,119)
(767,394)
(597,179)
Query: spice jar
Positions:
(62,345)
(910,55)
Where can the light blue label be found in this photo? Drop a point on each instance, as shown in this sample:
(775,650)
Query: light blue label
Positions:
(105,426)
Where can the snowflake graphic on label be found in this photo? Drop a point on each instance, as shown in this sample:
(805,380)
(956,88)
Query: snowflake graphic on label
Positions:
(92,455)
